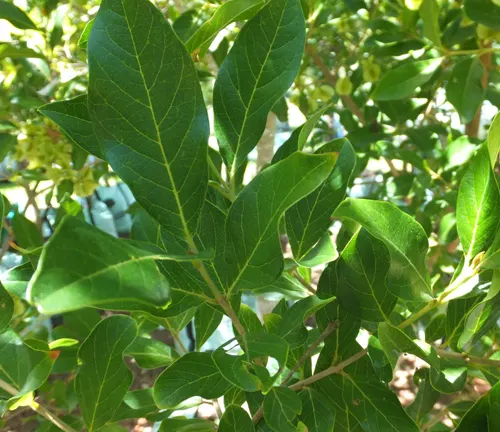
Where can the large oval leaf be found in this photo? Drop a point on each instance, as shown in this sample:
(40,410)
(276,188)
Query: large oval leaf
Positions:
(147,108)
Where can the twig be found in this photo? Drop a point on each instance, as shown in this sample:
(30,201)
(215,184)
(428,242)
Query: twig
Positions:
(468,358)
(306,285)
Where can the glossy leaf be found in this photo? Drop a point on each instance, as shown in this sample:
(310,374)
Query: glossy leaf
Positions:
(405,239)
(15,16)
(478,206)
(322,252)
(465,90)
(260,67)
(361,271)
(73,118)
(316,414)
(6,308)
(281,408)
(206,321)
(254,256)
(402,82)
(235,418)
(228,12)
(103,378)
(194,374)
(82,266)
(309,219)
(148,112)
(151,353)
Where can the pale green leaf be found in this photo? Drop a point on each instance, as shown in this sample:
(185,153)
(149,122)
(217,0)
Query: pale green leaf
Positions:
(402,81)
(6,308)
(465,90)
(429,11)
(73,118)
(15,16)
(103,378)
(147,109)
(254,254)
(235,418)
(493,140)
(361,278)
(478,206)
(228,12)
(16,279)
(281,408)
(260,67)
(194,374)
(456,315)
(322,252)
(17,52)
(84,37)
(151,353)
(405,239)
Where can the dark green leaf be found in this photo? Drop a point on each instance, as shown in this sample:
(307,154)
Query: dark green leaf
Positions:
(182,424)
(228,12)
(477,418)
(148,112)
(401,82)
(322,252)
(484,12)
(206,321)
(405,238)
(15,16)
(316,414)
(151,353)
(194,374)
(465,90)
(26,233)
(361,271)
(259,68)
(254,255)
(478,206)
(73,118)
(281,408)
(426,397)
(6,308)
(136,404)
(235,418)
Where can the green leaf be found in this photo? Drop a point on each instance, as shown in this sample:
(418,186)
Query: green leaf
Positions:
(194,374)
(281,408)
(16,16)
(493,140)
(405,238)
(477,418)
(82,266)
(459,152)
(84,37)
(456,315)
(103,378)
(182,424)
(249,319)
(26,233)
(136,404)
(6,308)
(299,136)
(17,52)
(80,323)
(148,112)
(254,256)
(478,206)
(426,397)
(309,219)
(361,278)
(228,12)
(322,252)
(151,353)
(484,12)
(73,118)
(260,67)
(235,418)
(394,342)
(465,90)
(206,321)
(401,82)
(316,414)
(429,11)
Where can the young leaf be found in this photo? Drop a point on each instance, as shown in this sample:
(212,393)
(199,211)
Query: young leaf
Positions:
(465,90)
(6,308)
(235,418)
(151,353)
(309,219)
(478,206)
(15,16)
(206,321)
(316,414)
(401,82)
(258,70)
(148,112)
(254,255)
(281,407)
(361,271)
(82,266)
(483,11)
(103,378)
(228,12)
(194,374)
(405,239)
(73,118)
